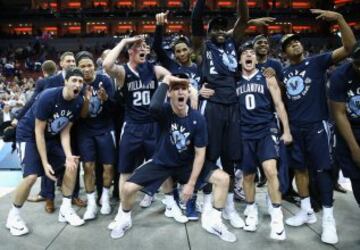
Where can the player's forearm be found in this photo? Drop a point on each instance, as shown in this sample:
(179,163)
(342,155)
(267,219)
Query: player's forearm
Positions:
(65,142)
(197,166)
(110,59)
(41,145)
(197,18)
(242,10)
(347,36)
(158,99)
(345,130)
(280,110)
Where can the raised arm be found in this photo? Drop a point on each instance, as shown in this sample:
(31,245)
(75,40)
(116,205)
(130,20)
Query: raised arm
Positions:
(114,70)
(347,36)
(161,20)
(242,21)
(279,108)
(197,27)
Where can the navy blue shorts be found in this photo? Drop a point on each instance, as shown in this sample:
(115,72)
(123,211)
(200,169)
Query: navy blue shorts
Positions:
(137,142)
(344,159)
(31,161)
(97,148)
(150,176)
(257,151)
(223,126)
(311,147)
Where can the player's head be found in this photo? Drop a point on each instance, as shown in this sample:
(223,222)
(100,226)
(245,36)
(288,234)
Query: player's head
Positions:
(179,92)
(217,29)
(85,61)
(261,45)
(182,49)
(355,56)
(138,52)
(67,60)
(48,68)
(248,59)
(291,46)
(74,79)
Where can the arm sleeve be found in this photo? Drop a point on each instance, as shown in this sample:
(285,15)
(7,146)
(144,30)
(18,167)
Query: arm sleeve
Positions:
(197,18)
(43,107)
(157,101)
(163,58)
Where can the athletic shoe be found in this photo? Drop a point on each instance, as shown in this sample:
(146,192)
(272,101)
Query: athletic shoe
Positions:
(251,220)
(112,224)
(105,208)
(277,229)
(213,224)
(301,218)
(69,215)
(234,218)
(329,234)
(91,212)
(173,211)
(146,201)
(16,225)
(191,212)
(121,226)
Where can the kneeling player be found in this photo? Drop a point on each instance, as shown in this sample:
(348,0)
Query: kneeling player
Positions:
(258,96)
(180,154)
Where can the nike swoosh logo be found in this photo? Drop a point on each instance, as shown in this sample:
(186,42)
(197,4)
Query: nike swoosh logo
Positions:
(217,231)
(281,232)
(17,228)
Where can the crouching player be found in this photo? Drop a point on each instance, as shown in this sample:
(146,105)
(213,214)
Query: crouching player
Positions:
(180,154)
(43,137)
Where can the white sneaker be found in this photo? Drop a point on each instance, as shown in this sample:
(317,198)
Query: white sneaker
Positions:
(251,220)
(173,211)
(121,226)
(69,215)
(301,218)
(105,208)
(16,225)
(91,212)
(233,217)
(146,201)
(329,234)
(215,226)
(277,229)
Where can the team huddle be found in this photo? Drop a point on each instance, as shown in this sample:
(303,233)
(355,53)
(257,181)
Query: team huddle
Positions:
(218,105)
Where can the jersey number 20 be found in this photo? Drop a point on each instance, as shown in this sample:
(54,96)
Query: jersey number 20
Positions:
(141,98)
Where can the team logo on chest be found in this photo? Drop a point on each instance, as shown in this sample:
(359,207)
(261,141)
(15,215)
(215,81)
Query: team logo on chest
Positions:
(297,84)
(58,121)
(95,105)
(179,137)
(353,103)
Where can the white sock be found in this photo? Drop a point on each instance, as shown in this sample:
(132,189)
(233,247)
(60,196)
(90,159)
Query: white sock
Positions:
(66,202)
(230,202)
(207,199)
(328,212)
(91,200)
(305,204)
(126,215)
(105,194)
(169,200)
(14,210)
